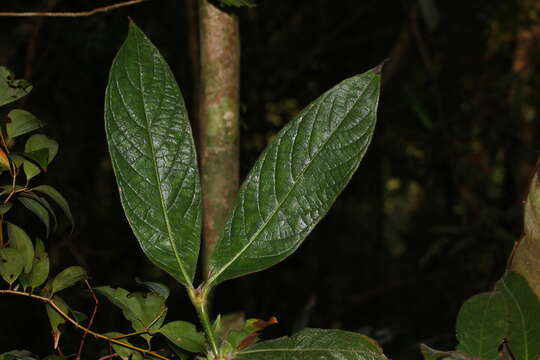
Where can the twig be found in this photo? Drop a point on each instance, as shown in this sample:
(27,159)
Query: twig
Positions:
(51,303)
(91,321)
(72,14)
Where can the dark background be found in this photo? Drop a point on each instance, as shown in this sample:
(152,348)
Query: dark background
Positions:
(428,220)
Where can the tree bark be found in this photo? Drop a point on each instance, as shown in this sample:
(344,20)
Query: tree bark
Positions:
(218,119)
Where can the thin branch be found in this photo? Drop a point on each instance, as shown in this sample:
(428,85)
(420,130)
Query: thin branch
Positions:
(91,321)
(72,14)
(51,303)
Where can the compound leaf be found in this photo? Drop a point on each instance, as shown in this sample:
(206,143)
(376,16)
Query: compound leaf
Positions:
(153,156)
(320,344)
(297,178)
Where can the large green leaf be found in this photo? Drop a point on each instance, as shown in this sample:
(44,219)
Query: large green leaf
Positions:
(523,334)
(11,89)
(320,344)
(482,324)
(145,311)
(297,178)
(153,156)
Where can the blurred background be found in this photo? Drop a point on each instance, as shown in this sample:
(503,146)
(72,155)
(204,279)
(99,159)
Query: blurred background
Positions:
(428,220)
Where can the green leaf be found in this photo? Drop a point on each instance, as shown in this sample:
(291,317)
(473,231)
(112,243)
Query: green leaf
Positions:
(145,311)
(432,354)
(41,200)
(238,3)
(155,287)
(34,162)
(55,319)
(21,122)
(56,357)
(68,277)
(523,335)
(40,142)
(123,352)
(57,198)
(4,208)
(18,354)
(184,335)
(37,209)
(11,264)
(11,89)
(153,156)
(297,178)
(317,344)
(40,268)
(482,325)
(21,241)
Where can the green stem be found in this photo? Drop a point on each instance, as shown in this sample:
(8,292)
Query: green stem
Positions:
(199,298)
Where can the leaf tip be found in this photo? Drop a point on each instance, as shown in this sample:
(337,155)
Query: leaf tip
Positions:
(378,69)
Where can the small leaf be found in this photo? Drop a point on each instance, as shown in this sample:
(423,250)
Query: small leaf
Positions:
(78,316)
(145,311)
(55,319)
(40,268)
(523,335)
(184,335)
(4,208)
(482,325)
(4,160)
(37,209)
(11,89)
(320,344)
(11,264)
(19,240)
(57,198)
(39,142)
(153,156)
(18,354)
(432,354)
(297,178)
(21,122)
(123,352)
(155,287)
(41,200)
(35,162)
(67,278)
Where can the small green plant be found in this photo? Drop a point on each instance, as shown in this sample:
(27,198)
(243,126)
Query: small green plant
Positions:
(289,190)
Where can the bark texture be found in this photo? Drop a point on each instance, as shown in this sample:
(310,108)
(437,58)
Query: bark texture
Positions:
(218,119)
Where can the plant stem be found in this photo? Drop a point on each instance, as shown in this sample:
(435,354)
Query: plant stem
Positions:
(199,299)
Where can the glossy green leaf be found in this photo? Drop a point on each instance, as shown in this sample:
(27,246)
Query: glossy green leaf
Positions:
(40,268)
(145,311)
(57,198)
(19,240)
(314,344)
(34,162)
(11,264)
(37,209)
(10,88)
(21,122)
(523,334)
(45,147)
(123,352)
(42,201)
(482,324)
(68,277)
(18,354)
(153,156)
(297,178)
(184,335)
(55,319)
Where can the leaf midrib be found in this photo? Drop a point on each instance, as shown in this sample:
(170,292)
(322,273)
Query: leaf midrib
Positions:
(214,277)
(156,173)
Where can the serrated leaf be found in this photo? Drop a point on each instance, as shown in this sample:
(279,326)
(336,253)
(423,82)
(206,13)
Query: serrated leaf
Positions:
(21,122)
(320,344)
(55,319)
(11,89)
(297,178)
(184,335)
(40,268)
(58,199)
(153,156)
(19,240)
(37,209)
(523,335)
(145,311)
(123,352)
(68,277)
(11,264)
(482,325)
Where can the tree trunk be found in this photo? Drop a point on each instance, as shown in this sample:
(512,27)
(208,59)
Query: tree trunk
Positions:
(218,119)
